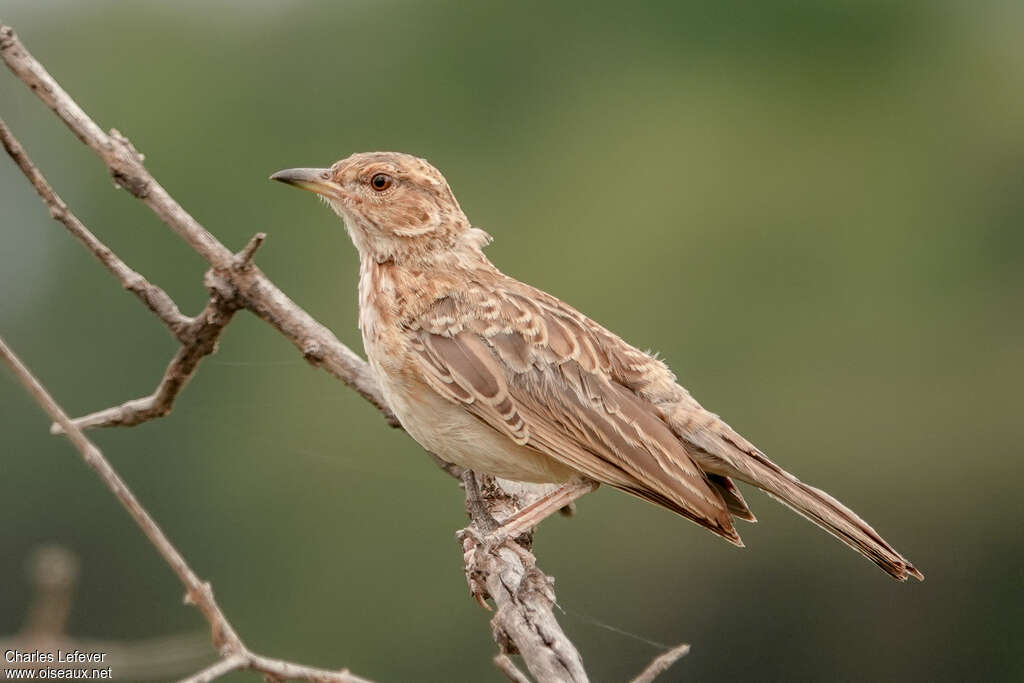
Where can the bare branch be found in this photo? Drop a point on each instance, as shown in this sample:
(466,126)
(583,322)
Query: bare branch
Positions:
(217,669)
(524,622)
(198,592)
(124,162)
(661,663)
(287,671)
(199,341)
(152,296)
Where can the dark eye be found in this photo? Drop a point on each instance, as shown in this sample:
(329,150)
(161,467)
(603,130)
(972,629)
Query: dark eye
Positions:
(381,182)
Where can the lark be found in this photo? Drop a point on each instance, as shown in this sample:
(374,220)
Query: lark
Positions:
(492,374)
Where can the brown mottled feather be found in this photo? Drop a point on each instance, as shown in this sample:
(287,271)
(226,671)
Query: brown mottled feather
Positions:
(577,418)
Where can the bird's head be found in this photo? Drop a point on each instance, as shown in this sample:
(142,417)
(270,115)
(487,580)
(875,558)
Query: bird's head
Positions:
(395,206)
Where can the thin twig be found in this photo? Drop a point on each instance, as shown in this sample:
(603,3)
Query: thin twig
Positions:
(198,592)
(123,160)
(217,669)
(287,671)
(661,663)
(243,259)
(155,298)
(200,341)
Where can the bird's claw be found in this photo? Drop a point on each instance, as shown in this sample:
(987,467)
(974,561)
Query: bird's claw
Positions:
(472,541)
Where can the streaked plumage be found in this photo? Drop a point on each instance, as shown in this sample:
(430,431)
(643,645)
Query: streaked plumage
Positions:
(490,373)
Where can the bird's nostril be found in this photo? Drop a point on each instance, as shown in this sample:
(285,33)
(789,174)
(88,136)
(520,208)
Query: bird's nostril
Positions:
(325,175)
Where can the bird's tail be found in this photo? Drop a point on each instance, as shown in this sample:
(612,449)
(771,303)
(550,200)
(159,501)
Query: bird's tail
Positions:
(830,515)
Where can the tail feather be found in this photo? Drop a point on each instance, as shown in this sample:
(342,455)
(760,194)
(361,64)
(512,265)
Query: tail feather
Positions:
(732,497)
(832,516)
(723,527)
(721,452)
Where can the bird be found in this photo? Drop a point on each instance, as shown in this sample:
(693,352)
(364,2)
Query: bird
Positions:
(503,378)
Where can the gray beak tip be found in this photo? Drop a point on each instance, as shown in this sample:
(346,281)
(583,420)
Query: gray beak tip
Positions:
(313,179)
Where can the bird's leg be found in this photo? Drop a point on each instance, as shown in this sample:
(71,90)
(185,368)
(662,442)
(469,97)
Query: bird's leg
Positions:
(542,508)
(485,534)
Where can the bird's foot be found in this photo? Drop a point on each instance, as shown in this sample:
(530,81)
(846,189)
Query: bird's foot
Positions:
(476,543)
(472,542)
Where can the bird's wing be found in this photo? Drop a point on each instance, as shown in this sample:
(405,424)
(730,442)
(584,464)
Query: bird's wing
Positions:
(720,451)
(532,369)
(542,373)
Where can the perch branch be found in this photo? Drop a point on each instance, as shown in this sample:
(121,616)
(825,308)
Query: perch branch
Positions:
(197,592)
(524,622)
(523,595)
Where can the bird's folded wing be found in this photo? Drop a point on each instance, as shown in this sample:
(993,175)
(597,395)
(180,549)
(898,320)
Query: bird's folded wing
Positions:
(538,376)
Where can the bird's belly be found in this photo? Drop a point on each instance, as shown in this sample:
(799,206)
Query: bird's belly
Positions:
(453,434)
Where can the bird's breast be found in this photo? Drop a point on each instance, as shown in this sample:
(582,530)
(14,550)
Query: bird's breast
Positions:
(449,431)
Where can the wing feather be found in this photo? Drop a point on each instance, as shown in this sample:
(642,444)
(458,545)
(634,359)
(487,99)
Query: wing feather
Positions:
(537,375)
(551,379)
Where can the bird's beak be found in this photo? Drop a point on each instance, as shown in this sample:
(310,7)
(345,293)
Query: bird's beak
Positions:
(316,180)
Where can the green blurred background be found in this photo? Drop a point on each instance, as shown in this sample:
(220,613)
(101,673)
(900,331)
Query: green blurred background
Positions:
(813,210)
